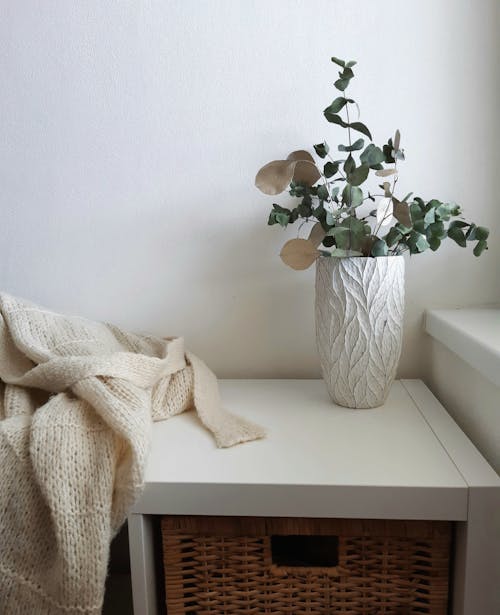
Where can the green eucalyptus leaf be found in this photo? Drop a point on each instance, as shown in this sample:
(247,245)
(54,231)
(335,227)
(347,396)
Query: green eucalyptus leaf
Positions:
(457,235)
(333,118)
(334,191)
(343,240)
(380,248)
(304,209)
(358,175)
(372,155)
(277,207)
(436,229)
(360,127)
(434,243)
(330,218)
(322,193)
(349,165)
(357,145)
(430,216)
(337,230)
(416,212)
(470,235)
(338,104)
(320,214)
(282,219)
(458,224)
(322,149)
(356,226)
(417,242)
(481,245)
(331,168)
(422,243)
(279,215)
(392,237)
(338,61)
(387,149)
(339,253)
(443,211)
(344,78)
(353,239)
(341,84)
(352,196)
(482,233)
(403,229)
(351,63)
(419,226)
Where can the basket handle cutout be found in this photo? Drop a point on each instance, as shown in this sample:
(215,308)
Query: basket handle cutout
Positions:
(300,551)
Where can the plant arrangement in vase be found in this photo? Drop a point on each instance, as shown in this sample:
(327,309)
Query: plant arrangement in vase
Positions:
(357,240)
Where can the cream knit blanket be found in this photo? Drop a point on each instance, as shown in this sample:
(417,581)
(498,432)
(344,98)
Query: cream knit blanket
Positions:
(77,401)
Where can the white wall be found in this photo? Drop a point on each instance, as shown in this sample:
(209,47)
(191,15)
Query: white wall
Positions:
(131,132)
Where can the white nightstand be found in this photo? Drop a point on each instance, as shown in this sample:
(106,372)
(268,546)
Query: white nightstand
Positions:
(405,460)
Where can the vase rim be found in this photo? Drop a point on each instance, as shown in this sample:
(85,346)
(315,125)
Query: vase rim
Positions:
(342,258)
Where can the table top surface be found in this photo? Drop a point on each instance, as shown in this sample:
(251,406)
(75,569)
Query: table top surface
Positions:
(405,460)
(310,441)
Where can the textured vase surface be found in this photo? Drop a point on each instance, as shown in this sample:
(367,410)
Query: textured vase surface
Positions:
(359,327)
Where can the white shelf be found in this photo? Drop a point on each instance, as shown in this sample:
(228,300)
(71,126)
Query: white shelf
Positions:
(318,460)
(471,333)
(405,460)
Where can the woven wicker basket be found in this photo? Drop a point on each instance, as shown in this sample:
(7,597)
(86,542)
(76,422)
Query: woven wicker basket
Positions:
(247,566)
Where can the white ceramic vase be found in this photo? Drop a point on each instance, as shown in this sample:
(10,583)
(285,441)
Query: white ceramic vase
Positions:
(359,326)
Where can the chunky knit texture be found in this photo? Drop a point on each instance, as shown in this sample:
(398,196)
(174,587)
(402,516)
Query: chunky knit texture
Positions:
(77,401)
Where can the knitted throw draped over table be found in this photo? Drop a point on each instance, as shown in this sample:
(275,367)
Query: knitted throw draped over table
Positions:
(77,401)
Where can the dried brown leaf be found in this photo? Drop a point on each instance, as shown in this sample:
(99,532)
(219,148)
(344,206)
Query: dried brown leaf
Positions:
(300,154)
(387,190)
(299,253)
(397,139)
(401,212)
(275,176)
(385,172)
(306,172)
(317,234)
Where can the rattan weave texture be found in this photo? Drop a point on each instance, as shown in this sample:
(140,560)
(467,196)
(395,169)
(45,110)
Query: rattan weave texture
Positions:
(224,565)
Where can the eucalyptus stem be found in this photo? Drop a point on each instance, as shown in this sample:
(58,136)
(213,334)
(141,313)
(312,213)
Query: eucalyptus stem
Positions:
(395,181)
(327,184)
(346,106)
(348,121)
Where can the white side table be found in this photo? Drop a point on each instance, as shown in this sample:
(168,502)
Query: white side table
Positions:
(405,460)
